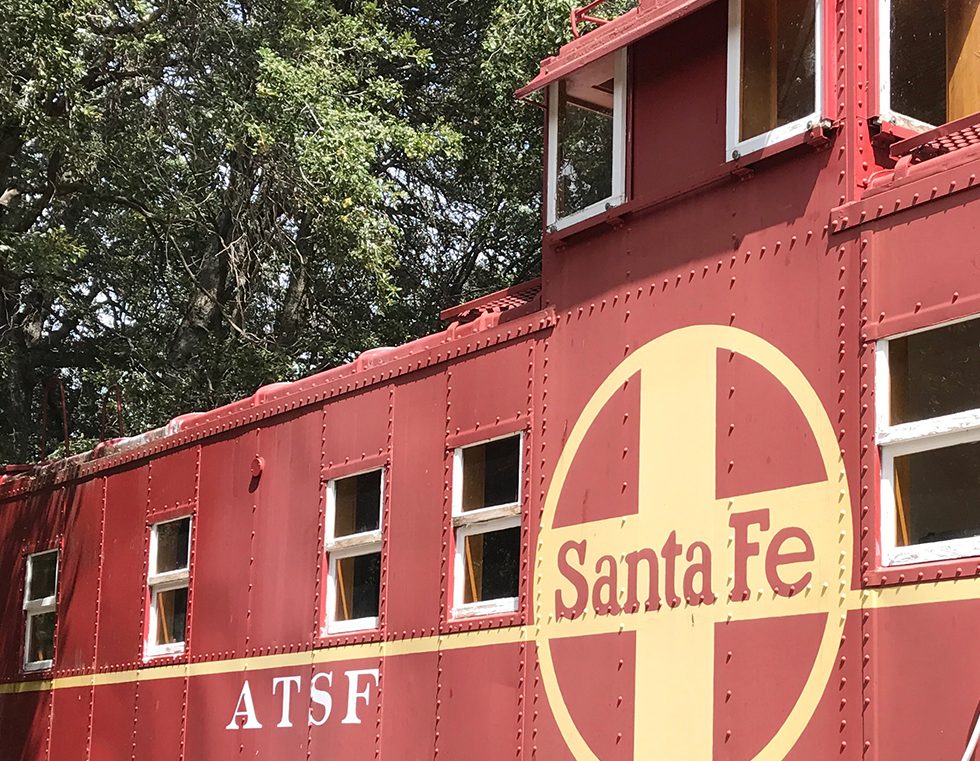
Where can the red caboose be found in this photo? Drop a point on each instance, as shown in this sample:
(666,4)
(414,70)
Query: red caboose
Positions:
(708,489)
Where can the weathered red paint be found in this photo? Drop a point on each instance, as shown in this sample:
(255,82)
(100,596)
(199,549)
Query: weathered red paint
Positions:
(817,249)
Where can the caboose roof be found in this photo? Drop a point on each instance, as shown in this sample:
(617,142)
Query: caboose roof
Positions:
(639,22)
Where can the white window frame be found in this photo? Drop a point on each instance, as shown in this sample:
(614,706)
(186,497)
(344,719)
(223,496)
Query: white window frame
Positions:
(618,195)
(909,438)
(351,545)
(885,74)
(165,582)
(34,608)
(482,521)
(738,148)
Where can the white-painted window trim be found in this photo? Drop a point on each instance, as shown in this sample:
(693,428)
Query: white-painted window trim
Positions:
(885,74)
(482,521)
(165,582)
(737,147)
(909,438)
(618,194)
(351,545)
(35,608)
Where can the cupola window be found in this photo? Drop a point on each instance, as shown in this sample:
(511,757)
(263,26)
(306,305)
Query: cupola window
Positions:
(930,61)
(586,141)
(774,64)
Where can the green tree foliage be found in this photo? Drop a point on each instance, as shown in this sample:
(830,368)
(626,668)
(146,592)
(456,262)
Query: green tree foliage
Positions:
(198,197)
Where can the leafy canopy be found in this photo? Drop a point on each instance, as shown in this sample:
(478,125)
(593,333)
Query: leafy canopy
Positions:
(198,197)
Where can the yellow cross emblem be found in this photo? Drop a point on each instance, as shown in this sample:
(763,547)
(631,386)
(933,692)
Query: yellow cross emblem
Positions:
(674,700)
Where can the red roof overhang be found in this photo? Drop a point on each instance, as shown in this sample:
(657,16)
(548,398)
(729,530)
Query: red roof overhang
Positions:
(650,16)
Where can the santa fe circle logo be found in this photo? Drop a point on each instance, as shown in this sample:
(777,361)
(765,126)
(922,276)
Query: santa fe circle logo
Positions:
(785,552)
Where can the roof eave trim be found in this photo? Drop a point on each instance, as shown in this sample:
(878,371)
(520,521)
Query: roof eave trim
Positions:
(621,31)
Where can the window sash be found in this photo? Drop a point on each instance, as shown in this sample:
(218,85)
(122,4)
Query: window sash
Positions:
(154,545)
(33,608)
(735,145)
(44,605)
(461,517)
(29,576)
(168,581)
(618,194)
(152,648)
(498,606)
(365,623)
(363,537)
(885,76)
(909,438)
(348,546)
(30,664)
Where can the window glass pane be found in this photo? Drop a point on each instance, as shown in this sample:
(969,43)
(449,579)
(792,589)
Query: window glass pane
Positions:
(962,58)
(173,545)
(492,565)
(936,372)
(44,572)
(918,60)
(358,587)
(778,64)
(491,473)
(171,616)
(357,503)
(585,147)
(937,494)
(40,643)
(935,69)
(584,171)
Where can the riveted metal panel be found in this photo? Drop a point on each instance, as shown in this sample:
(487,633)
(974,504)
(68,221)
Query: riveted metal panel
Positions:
(173,480)
(80,562)
(360,736)
(417,538)
(11,587)
(223,533)
(25,720)
(927,272)
(932,647)
(161,705)
(113,721)
(479,699)
(211,701)
(408,729)
(122,588)
(32,525)
(71,724)
(355,432)
(285,522)
(489,394)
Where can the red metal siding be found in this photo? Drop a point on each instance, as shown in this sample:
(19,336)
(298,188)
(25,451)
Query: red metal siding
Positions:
(417,539)
(285,522)
(223,535)
(80,564)
(122,592)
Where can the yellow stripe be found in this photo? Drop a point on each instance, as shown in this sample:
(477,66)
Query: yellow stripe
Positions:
(922,593)
(459,640)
